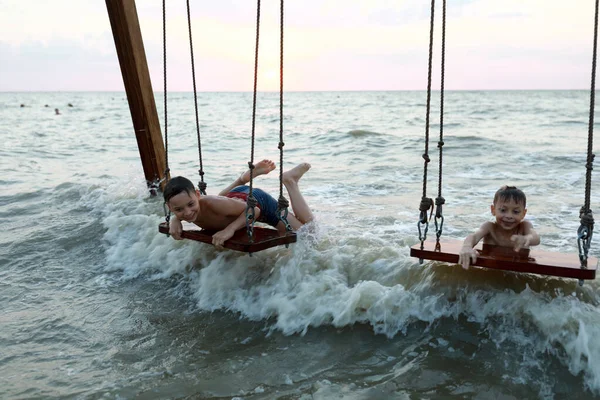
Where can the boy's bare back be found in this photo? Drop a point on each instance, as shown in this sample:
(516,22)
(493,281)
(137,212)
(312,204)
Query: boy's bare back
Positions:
(217,212)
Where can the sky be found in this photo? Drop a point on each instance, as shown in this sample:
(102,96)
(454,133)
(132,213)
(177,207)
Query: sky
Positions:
(67,45)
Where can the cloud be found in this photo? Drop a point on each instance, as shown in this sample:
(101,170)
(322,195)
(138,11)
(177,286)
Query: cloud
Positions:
(329,44)
(57,65)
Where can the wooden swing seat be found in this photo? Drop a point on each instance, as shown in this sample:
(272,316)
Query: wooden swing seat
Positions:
(533,261)
(264,238)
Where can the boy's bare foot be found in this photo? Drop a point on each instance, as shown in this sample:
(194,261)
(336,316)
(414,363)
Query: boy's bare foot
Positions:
(294,174)
(260,168)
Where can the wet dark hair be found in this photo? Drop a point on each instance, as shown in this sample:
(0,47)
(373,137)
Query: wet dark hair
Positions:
(178,185)
(507,193)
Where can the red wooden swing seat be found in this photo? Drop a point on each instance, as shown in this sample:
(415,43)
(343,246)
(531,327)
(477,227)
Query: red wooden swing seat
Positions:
(533,261)
(264,238)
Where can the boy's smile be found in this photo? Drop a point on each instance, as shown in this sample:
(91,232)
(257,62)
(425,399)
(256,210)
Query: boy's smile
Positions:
(185,206)
(509,214)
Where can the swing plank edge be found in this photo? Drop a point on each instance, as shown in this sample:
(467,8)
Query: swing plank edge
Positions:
(495,257)
(264,238)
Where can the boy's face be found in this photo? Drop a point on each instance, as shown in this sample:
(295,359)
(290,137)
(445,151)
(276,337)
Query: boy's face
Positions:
(508,213)
(185,206)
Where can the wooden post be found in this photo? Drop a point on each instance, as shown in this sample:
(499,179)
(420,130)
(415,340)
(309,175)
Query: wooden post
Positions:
(134,68)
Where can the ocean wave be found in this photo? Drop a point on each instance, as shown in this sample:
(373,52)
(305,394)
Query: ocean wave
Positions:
(81,228)
(360,278)
(356,133)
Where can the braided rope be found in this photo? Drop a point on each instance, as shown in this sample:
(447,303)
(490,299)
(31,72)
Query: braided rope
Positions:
(167,170)
(426,154)
(443,68)
(281,144)
(201,185)
(586,229)
(440,201)
(590,155)
(426,203)
(249,208)
(165,84)
(282,203)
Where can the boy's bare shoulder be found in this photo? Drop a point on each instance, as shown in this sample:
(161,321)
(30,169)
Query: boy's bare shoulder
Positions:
(207,198)
(211,199)
(488,226)
(526,227)
(488,232)
(526,223)
(222,204)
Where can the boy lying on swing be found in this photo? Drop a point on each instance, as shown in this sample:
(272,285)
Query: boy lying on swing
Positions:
(509,229)
(226,213)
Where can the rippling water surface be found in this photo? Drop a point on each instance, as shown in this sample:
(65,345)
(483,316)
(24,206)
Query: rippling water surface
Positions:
(94,303)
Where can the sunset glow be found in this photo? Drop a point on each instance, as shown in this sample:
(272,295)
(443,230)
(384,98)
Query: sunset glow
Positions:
(328,45)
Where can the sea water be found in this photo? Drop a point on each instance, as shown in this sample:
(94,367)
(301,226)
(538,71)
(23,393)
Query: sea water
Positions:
(95,303)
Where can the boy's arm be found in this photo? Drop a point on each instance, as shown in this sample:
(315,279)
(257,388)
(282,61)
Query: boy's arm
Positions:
(219,238)
(225,208)
(529,237)
(468,253)
(175,228)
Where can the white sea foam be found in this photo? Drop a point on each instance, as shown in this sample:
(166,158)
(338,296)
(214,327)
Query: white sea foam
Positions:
(336,276)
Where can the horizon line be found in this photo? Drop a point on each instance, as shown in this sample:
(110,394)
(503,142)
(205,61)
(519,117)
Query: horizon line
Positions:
(298,91)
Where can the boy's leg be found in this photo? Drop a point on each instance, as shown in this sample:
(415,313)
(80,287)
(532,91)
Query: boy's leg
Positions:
(260,168)
(301,210)
(293,221)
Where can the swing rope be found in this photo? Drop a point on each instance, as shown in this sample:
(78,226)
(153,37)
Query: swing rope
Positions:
(264,238)
(585,231)
(251,201)
(426,202)
(167,170)
(440,201)
(282,203)
(201,184)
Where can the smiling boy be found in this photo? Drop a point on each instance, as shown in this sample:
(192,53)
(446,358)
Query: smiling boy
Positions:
(226,213)
(508,230)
